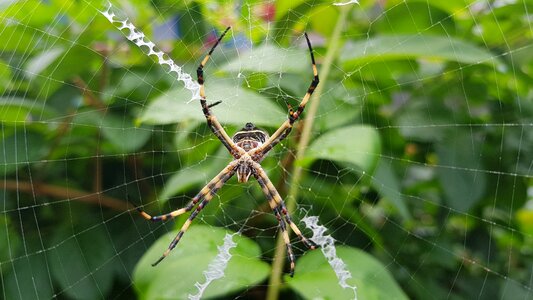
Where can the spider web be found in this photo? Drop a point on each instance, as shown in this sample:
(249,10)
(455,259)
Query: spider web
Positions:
(94,112)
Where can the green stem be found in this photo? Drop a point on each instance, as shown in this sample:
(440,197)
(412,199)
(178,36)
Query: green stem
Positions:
(334,45)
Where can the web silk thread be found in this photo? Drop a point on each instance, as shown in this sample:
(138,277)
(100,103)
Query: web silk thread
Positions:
(346,3)
(216,267)
(327,245)
(149,48)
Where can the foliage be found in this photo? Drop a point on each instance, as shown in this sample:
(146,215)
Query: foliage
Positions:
(420,162)
(190,261)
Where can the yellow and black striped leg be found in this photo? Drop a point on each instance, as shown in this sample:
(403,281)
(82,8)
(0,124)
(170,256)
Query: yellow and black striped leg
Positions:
(185,226)
(212,121)
(270,191)
(177,212)
(295,115)
(287,240)
(211,190)
(282,224)
(220,177)
(309,243)
(284,130)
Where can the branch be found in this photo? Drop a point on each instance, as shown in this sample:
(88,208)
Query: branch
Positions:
(66,193)
(88,95)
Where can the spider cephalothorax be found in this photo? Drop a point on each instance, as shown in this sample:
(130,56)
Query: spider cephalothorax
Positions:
(248,147)
(248,138)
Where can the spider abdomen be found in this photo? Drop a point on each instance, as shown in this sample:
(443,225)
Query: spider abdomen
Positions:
(250,137)
(248,145)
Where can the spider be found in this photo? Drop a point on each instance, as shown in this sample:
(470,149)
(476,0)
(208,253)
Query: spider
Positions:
(249,146)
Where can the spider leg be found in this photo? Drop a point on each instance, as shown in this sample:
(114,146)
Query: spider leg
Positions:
(204,191)
(278,206)
(212,121)
(284,130)
(282,224)
(309,243)
(206,194)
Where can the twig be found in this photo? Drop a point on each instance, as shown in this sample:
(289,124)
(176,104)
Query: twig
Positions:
(88,95)
(66,193)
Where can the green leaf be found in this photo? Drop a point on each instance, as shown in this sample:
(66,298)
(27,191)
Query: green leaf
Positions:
(21,149)
(271,59)
(414,46)
(387,184)
(175,276)
(9,241)
(28,279)
(43,60)
(315,279)
(33,14)
(238,106)
(455,8)
(512,289)
(82,263)
(5,77)
(460,170)
(122,133)
(323,18)
(16,110)
(51,67)
(18,38)
(288,14)
(196,174)
(421,15)
(285,6)
(417,116)
(358,145)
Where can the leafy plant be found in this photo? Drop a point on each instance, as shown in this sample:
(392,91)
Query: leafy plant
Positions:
(415,152)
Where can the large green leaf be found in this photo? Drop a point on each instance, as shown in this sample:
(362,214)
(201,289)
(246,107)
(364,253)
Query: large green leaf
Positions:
(119,131)
(18,38)
(420,114)
(316,279)
(175,277)
(460,170)
(82,263)
(9,241)
(455,8)
(414,46)
(21,149)
(421,15)
(16,110)
(122,133)
(52,66)
(5,76)
(238,106)
(357,145)
(288,14)
(196,174)
(43,60)
(270,59)
(512,289)
(387,184)
(29,278)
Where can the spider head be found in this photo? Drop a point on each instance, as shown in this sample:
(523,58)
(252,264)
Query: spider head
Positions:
(250,137)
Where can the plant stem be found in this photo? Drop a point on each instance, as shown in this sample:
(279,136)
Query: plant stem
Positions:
(334,45)
(65,193)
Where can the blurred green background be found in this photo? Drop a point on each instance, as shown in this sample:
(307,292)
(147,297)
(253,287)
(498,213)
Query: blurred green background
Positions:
(416,152)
